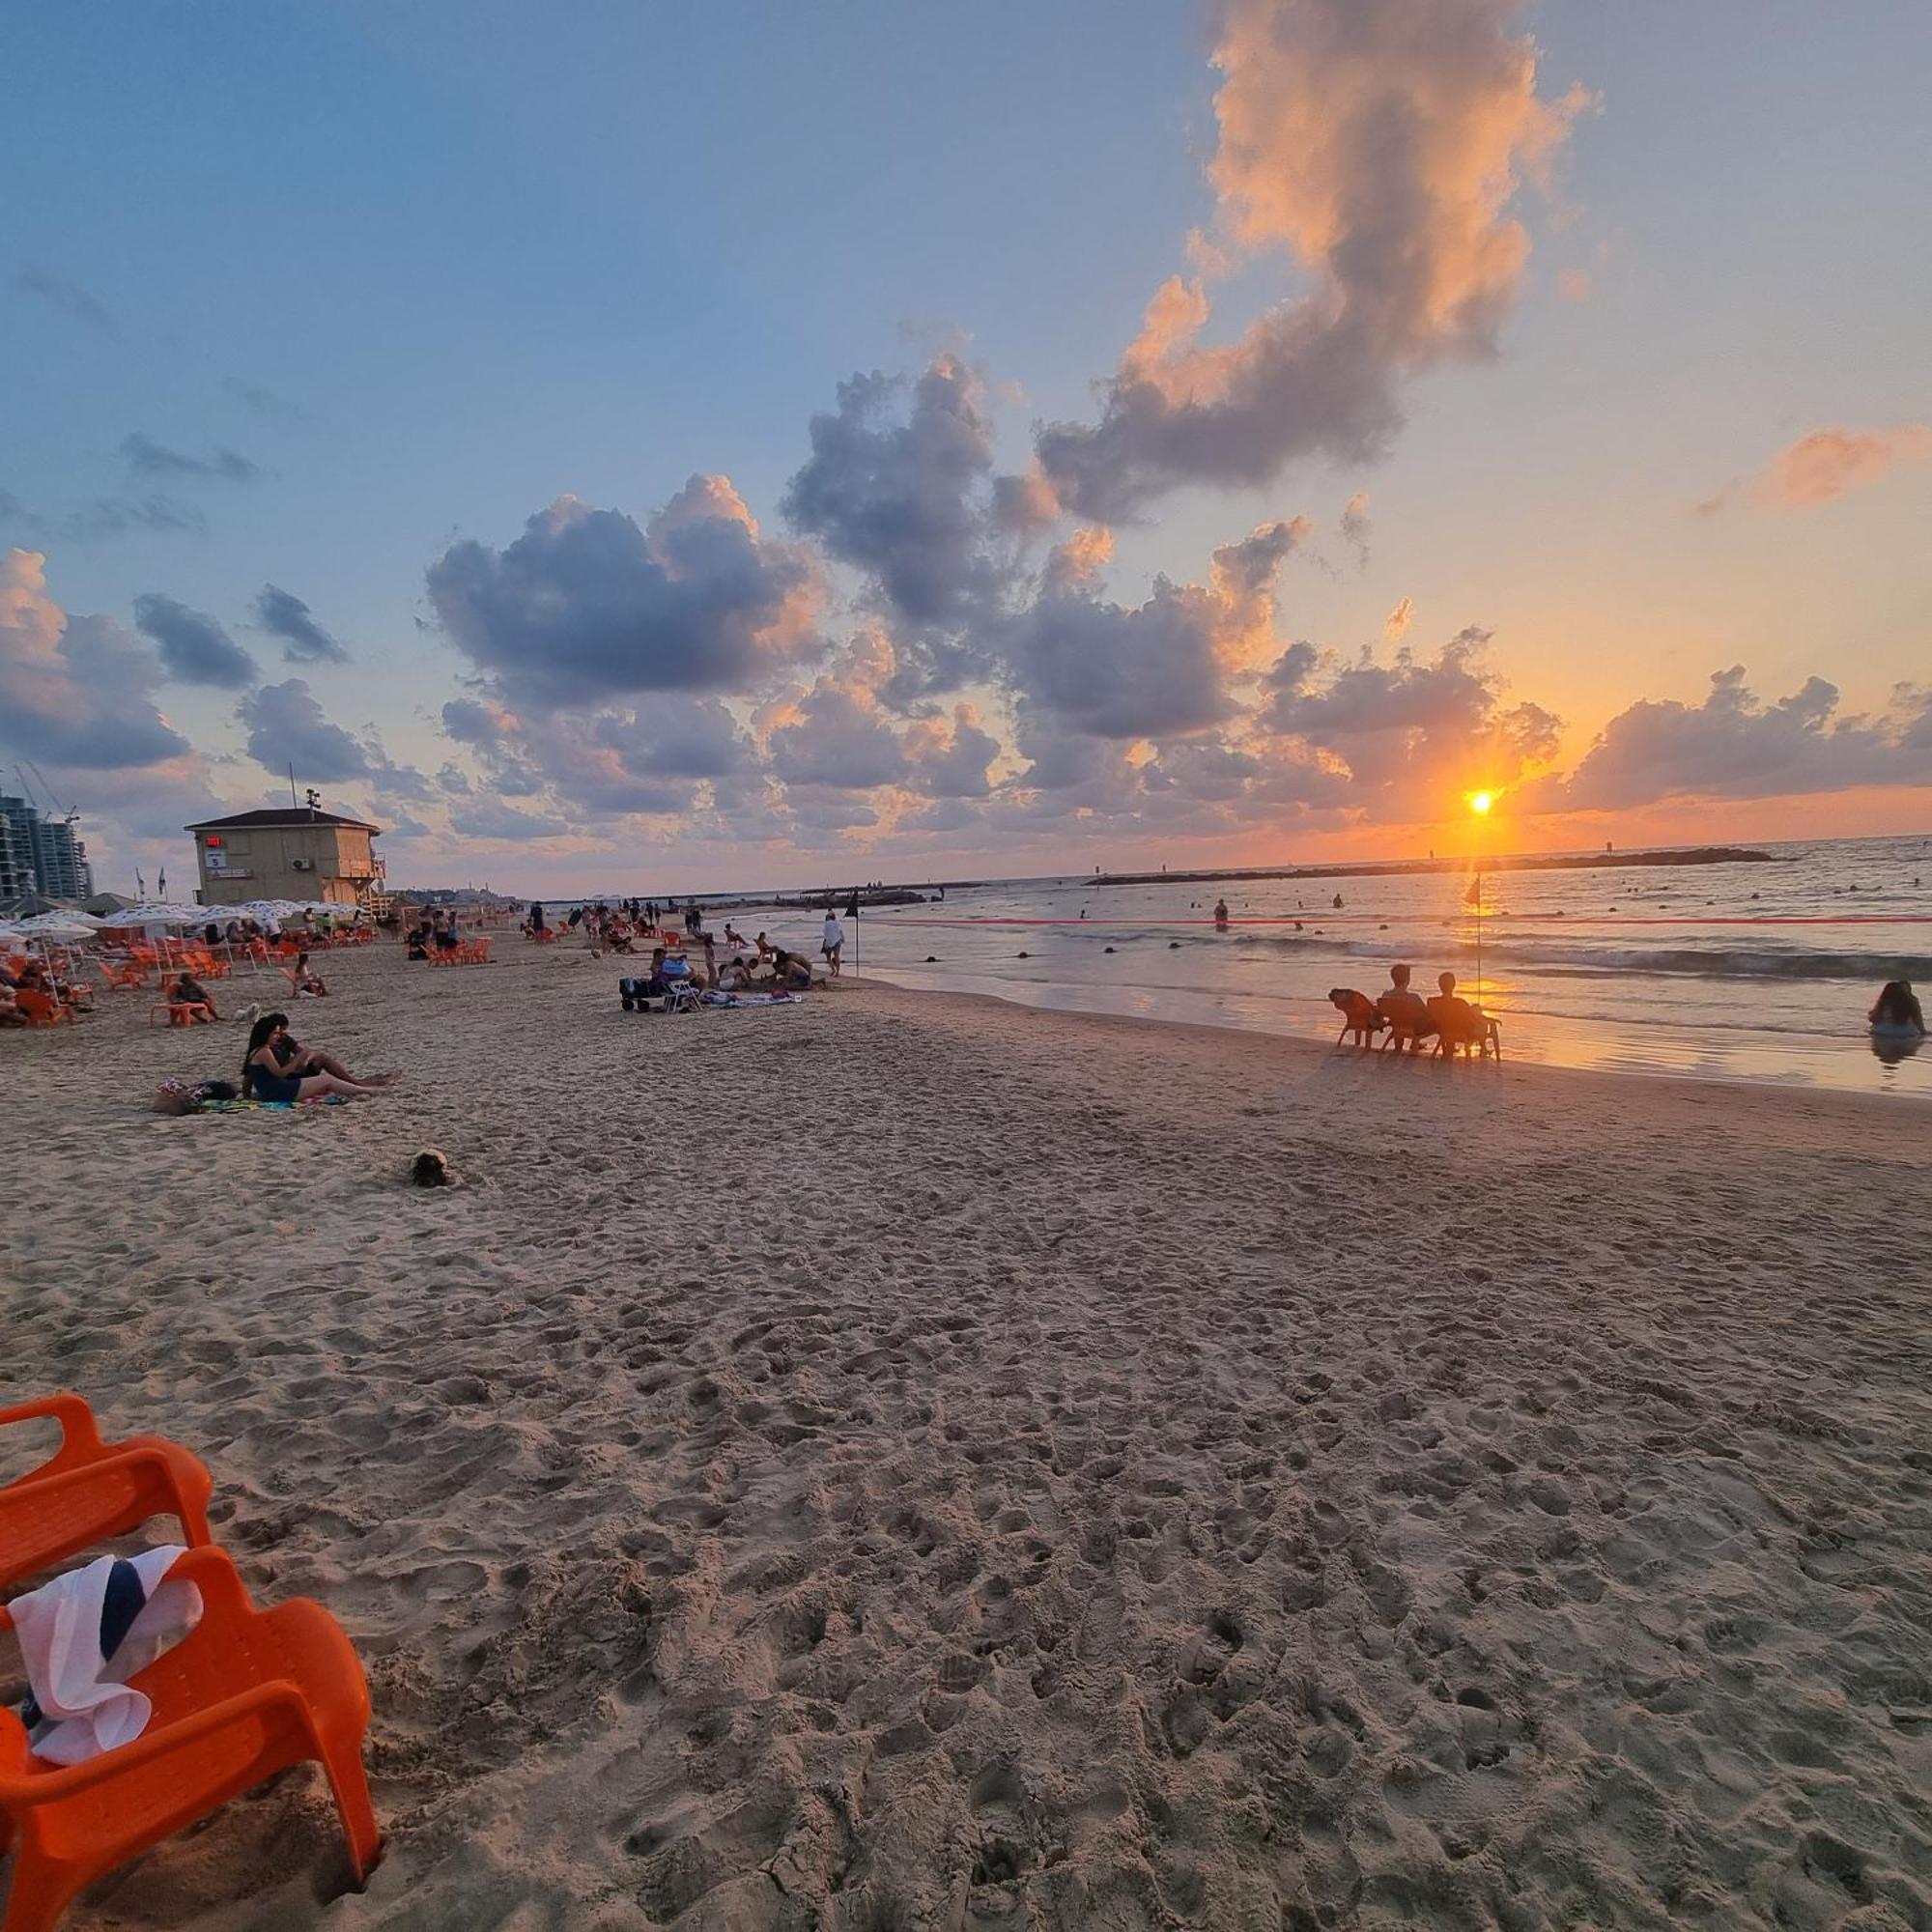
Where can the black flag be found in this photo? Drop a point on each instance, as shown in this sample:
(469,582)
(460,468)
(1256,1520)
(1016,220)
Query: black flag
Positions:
(852,909)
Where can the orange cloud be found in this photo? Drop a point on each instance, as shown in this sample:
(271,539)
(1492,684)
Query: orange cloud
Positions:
(1833,462)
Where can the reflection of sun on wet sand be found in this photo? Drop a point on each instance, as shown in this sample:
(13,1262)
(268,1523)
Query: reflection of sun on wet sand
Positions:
(917,1462)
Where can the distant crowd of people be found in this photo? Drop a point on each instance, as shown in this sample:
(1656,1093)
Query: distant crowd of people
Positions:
(728,963)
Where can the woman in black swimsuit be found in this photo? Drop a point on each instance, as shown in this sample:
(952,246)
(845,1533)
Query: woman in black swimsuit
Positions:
(263,1077)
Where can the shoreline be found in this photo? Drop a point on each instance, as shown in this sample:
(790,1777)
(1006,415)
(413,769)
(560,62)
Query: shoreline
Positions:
(1309,1053)
(1601,1050)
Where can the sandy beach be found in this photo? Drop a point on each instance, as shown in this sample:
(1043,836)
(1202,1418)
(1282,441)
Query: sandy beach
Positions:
(908,1462)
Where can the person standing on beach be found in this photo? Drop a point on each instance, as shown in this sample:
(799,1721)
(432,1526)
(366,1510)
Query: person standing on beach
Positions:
(833,942)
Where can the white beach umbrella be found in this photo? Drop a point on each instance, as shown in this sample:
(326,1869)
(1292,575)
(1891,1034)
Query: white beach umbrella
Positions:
(154,913)
(58,926)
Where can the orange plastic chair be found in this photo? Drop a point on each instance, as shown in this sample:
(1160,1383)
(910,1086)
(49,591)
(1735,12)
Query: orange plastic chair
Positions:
(245,1694)
(42,1010)
(89,1489)
(121,977)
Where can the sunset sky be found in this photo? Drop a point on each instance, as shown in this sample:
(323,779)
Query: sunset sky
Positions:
(652,447)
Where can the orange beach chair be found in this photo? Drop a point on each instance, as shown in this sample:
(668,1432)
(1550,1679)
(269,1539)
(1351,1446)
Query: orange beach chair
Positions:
(42,1010)
(245,1694)
(89,1489)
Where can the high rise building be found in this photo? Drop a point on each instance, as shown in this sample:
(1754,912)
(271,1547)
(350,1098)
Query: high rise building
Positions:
(41,855)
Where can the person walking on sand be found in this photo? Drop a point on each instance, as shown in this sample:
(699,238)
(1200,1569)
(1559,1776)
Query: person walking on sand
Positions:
(833,943)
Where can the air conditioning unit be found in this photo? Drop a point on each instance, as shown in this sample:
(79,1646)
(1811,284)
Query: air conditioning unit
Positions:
(302,865)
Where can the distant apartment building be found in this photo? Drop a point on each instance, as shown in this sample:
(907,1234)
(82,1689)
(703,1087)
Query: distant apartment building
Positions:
(291,852)
(41,855)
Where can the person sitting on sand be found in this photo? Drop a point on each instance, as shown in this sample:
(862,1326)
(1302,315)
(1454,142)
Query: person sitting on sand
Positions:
(735,976)
(276,1068)
(301,980)
(792,973)
(191,1096)
(188,993)
(1405,1012)
(1898,1011)
(1454,1022)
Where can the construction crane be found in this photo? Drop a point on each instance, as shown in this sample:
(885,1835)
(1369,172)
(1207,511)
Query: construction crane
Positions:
(67,817)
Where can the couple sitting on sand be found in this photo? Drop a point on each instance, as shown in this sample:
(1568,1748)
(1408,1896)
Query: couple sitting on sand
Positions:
(276,1068)
(1449,1020)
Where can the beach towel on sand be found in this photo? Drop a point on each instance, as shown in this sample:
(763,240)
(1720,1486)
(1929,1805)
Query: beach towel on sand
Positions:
(82,1634)
(716,999)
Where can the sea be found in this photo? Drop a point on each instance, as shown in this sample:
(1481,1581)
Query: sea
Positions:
(1760,972)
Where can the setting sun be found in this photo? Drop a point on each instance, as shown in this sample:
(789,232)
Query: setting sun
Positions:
(1480,803)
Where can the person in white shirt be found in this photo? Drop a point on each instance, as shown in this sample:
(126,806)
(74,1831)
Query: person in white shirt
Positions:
(834,943)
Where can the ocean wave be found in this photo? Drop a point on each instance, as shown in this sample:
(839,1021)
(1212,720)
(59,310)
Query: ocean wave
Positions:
(1567,958)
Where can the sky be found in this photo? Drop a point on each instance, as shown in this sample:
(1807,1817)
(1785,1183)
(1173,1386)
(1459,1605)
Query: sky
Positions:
(652,448)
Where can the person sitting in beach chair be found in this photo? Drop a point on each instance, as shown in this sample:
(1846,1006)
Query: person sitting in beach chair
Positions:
(1360,1021)
(10,1008)
(1457,1023)
(1403,1012)
(189,995)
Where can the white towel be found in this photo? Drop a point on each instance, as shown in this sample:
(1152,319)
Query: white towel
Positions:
(81,1704)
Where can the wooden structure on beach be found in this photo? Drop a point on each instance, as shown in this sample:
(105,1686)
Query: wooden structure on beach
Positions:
(287,852)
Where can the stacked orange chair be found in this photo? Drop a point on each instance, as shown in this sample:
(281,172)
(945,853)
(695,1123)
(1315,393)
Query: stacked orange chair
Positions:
(245,1694)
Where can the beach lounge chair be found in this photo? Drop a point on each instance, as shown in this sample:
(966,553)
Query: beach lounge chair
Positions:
(42,1010)
(1359,1018)
(89,1489)
(1462,1027)
(245,1694)
(119,977)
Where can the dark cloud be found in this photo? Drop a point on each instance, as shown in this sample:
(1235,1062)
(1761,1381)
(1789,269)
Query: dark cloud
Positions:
(193,647)
(951,759)
(70,298)
(1407,733)
(1356,526)
(264,402)
(836,736)
(487,818)
(103,517)
(286,726)
(652,758)
(74,691)
(149,459)
(1735,746)
(1394,199)
(903,501)
(115,516)
(1157,670)
(284,615)
(587,606)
